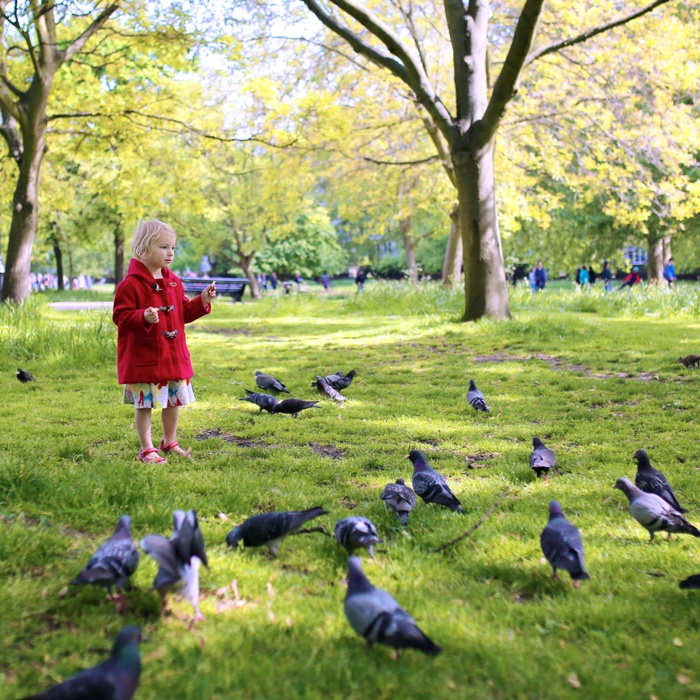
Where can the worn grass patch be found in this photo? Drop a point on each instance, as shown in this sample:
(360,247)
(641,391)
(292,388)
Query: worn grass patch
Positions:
(595,383)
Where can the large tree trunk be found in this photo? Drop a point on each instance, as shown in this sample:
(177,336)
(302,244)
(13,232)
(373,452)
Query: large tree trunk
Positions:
(118,255)
(486,290)
(246,263)
(452,266)
(655,264)
(409,246)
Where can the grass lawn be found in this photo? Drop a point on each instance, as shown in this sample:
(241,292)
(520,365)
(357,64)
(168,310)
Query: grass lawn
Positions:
(595,376)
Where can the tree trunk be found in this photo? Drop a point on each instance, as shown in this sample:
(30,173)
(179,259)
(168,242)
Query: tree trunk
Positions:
(667,248)
(655,265)
(246,263)
(118,255)
(409,246)
(452,266)
(58,254)
(485,285)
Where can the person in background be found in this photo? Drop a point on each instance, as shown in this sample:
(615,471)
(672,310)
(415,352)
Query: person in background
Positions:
(326,282)
(607,276)
(360,279)
(540,276)
(583,277)
(631,279)
(591,275)
(670,272)
(577,278)
(532,279)
(273,280)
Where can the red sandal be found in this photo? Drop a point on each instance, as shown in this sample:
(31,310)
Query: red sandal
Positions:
(144,456)
(174,447)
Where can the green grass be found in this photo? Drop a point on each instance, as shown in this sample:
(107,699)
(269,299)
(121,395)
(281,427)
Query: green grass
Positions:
(594,375)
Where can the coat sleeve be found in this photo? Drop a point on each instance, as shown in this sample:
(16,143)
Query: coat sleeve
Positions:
(127,313)
(193,309)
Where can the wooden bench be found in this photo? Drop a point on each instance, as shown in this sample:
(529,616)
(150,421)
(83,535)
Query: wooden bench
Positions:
(231,286)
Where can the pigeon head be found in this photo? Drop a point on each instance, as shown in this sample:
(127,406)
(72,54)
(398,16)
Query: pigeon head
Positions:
(178,519)
(400,482)
(234,537)
(642,458)
(418,459)
(555,510)
(126,645)
(258,373)
(536,442)
(124,524)
(351,374)
(625,485)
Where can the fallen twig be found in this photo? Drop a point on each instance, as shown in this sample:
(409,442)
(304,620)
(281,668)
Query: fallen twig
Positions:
(478,524)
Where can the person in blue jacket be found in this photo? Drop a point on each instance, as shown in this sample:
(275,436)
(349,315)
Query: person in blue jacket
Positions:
(540,276)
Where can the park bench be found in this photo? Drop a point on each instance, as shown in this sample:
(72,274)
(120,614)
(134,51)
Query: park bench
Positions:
(232,286)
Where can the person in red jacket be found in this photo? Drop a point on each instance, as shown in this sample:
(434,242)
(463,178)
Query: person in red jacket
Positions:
(150,311)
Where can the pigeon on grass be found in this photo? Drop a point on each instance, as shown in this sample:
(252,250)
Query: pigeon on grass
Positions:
(325,389)
(542,458)
(653,513)
(430,485)
(113,563)
(562,545)
(114,679)
(293,407)
(399,498)
(476,398)
(270,529)
(180,559)
(651,480)
(690,582)
(375,615)
(267,381)
(265,402)
(356,532)
(340,381)
(24,376)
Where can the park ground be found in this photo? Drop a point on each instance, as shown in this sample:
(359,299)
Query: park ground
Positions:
(595,376)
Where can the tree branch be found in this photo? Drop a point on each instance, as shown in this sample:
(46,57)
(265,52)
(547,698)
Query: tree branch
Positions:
(479,523)
(557,46)
(377,161)
(77,45)
(507,83)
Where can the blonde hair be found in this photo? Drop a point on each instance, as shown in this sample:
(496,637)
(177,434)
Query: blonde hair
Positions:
(146,233)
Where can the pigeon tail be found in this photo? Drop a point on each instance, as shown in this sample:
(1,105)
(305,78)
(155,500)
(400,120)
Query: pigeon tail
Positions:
(690,582)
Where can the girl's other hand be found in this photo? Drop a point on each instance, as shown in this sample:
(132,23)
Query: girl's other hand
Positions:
(209,294)
(150,315)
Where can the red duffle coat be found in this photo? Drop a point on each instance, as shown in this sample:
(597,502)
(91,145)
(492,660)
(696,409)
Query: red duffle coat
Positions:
(144,353)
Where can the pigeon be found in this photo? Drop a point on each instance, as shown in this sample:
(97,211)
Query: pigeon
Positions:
(267,381)
(114,562)
(180,559)
(653,513)
(476,398)
(562,545)
(293,406)
(542,458)
(24,376)
(355,532)
(325,389)
(375,615)
(690,582)
(271,528)
(430,485)
(400,498)
(340,381)
(265,401)
(113,679)
(651,480)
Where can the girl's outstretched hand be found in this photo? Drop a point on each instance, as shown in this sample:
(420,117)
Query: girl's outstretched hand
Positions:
(209,294)
(150,315)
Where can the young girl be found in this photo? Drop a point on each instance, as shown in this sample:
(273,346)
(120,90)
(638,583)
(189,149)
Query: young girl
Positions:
(151,310)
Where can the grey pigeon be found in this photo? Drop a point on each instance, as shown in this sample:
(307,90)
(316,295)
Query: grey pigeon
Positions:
(542,458)
(340,381)
(690,582)
(265,401)
(651,480)
(267,381)
(271,528)
(114,562)
(400,498)
(293,406)
(653,513)
(375,615)
(325,389)
(114,679)
(24,376)
(430,485)
(476,398)
(180,559)
(562,545)
(356,532)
